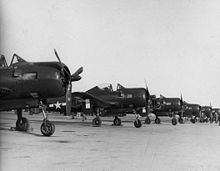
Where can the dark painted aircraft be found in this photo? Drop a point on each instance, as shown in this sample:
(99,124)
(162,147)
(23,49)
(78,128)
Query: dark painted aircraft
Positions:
(216,114)
(30,84)
(192,111)
(206,112)
(164,106)
(104,101)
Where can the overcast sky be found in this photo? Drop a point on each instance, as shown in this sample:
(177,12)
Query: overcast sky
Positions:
(173,44)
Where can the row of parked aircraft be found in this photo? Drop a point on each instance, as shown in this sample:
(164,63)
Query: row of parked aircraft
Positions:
(48,85)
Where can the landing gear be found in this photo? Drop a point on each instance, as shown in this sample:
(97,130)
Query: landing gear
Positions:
(157,120)
(147,120)
(174,121)
(137,123)
(47,128)
(117,121)
(193,120)
(22,124)
(181,120)
(96,121)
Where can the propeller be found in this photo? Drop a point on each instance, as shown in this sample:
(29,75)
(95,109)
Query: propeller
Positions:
(148,100)
(181,104)
(76,76)
(69,79)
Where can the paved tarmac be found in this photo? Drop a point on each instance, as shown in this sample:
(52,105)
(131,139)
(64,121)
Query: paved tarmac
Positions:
(76,145)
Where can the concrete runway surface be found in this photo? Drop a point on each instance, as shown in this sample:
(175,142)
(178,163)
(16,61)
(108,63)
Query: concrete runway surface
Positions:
(76,145)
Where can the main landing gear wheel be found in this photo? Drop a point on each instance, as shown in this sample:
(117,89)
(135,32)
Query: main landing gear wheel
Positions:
(147,120)
(157,121)
(193,120)
(181,120)
(117,121)
(96,122)
(47,128)
(137,123)
(174,121)
(22,124)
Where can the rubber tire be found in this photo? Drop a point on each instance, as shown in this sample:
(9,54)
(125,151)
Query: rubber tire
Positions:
(23,124)
(193,120)
(181,120)
(137,123)
(174,121)
(97,122)
(47,128)
(117,122)
(147,120)
(157,121)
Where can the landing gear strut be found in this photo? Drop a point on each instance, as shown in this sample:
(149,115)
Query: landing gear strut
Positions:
(47,128)
(117,121)
(22,124)
(97,122)
(137,122)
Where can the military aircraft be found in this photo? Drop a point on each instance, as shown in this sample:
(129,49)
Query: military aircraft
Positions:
(164,106)
(206,112)
(216,114)
(30,84)
(192,111)
(102,100)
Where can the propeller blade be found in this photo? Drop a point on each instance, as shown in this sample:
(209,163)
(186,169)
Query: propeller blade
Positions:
(181,104)
(57,56)
(68,99)
(79,71)
(76,76)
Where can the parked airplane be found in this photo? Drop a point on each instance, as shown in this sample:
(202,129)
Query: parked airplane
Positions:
(104,101)
(164,106)
(216,114)
(207,113)
(30,84)
(192,111)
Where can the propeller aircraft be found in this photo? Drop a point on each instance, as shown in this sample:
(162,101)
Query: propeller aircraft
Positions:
(26,85)
(104,101)
(192,111)
(164,106)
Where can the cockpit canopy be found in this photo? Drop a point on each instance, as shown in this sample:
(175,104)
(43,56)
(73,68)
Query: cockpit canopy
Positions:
(105,87)
(16,59)
(109,87)
(3,62)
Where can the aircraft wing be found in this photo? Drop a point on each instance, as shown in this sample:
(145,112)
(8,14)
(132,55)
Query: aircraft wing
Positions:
(99,102)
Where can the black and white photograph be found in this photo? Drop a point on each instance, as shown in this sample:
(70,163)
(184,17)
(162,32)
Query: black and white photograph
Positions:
(109,85)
